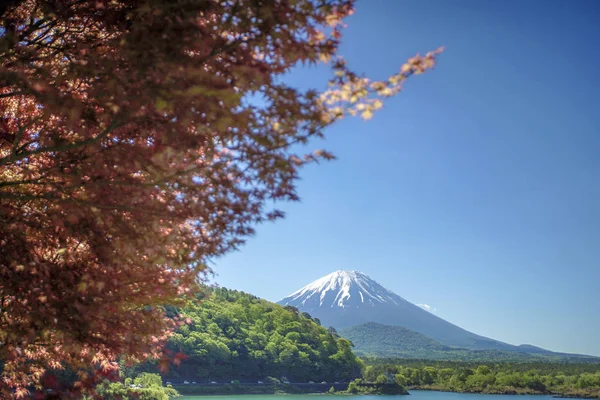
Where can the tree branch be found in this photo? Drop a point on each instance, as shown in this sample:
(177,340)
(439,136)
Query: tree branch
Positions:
(25,182)
(6,4)
(10,94)
(64,147)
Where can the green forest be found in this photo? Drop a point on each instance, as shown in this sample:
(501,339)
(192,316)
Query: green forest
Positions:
(239,340)
(235,338)
(576,380)
(372,338)
(377,340)
(143,387)
(232,335)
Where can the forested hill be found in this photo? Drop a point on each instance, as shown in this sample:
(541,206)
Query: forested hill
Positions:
(234,335)
(372,339)
(390,341)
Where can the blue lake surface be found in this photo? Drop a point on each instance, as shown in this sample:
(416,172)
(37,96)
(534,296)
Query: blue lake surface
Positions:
(414,395)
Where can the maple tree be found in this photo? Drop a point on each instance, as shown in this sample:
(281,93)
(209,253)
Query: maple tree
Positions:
(139,138)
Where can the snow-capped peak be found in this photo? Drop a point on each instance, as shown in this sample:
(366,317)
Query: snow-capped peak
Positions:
(343,289)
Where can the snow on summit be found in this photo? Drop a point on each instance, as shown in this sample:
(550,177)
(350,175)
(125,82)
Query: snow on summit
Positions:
(342,289)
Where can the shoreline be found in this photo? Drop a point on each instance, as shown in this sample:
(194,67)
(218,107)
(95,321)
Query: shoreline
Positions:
(251,389)
(513,392)
(291,389)
(340,390)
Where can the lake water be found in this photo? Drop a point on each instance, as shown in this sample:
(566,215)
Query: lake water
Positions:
(414,395)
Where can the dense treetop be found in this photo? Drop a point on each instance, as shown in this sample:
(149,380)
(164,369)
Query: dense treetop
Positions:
(143,387)
(232,335)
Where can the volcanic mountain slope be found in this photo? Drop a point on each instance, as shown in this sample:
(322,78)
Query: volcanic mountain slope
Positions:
(372,339)
(344,299)
(391,341)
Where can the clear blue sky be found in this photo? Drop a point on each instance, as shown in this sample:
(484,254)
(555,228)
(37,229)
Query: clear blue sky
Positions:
(476,190)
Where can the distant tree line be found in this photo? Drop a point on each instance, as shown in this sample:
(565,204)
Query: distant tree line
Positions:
(582,380)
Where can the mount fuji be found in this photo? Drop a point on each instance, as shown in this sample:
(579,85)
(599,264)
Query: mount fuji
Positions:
(347,298)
